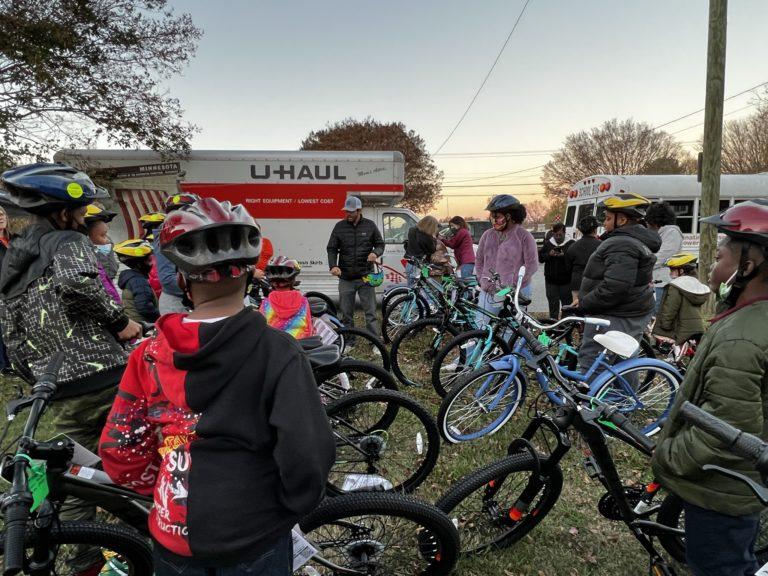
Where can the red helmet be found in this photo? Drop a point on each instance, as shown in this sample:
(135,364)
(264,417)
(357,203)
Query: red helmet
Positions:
(745,221)
(175,201)
(208,234)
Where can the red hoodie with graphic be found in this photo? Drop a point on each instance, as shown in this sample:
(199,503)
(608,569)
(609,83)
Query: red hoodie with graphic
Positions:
(223,423)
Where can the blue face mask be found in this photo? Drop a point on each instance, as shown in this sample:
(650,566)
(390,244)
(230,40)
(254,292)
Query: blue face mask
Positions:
(104,248)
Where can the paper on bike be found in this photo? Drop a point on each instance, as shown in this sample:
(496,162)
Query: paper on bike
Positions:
(324,329)
(763,571)
(302,549)
(365,482)
(82,456)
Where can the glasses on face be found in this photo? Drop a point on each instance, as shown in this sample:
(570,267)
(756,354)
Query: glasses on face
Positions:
(498,218)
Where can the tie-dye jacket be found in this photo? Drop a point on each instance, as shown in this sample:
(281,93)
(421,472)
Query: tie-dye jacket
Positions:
(52,300)
(288,310)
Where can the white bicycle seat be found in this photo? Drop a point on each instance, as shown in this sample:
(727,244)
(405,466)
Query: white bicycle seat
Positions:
(617,342)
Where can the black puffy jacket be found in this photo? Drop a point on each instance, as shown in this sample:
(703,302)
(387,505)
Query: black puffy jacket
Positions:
(617,279)
(349,247)
(419,244)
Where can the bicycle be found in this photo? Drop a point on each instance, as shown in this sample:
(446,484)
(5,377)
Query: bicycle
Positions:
(487,398)
(30,507)
(500,503)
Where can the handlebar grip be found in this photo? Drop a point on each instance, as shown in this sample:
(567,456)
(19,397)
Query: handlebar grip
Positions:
(625,425)
(16,516)
(51,372)
(744,444)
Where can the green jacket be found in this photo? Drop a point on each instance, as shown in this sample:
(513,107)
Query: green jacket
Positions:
(728,378)
(681,315)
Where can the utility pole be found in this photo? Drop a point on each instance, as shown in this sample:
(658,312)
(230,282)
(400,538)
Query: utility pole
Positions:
(713,132)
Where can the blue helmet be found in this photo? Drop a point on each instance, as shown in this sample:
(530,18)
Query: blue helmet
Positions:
(43,187)
(502,202)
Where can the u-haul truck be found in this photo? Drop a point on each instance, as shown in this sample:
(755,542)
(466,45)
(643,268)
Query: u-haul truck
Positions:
(297,197)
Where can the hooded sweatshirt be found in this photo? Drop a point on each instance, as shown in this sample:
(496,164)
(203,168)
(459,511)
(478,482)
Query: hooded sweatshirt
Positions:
(288,310)
(618,276)
(139,300)
(505,252)
(51,300)
(223,422)
(681,315)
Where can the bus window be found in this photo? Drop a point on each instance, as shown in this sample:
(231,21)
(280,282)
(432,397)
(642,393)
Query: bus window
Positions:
(684,212)
(569,214)
(724,204)
(585,210)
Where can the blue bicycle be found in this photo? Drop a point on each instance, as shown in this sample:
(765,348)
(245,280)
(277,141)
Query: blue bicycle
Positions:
(643,389)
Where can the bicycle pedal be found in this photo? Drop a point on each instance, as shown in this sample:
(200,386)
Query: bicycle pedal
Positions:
(592,467)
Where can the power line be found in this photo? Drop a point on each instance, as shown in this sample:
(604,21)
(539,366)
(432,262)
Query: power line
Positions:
(488,75)
(494,185)
(702,123)
(503,153)
(498,175)
(480,195)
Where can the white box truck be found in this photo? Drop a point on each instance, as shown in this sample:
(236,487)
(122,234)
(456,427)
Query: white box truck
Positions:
(296,197)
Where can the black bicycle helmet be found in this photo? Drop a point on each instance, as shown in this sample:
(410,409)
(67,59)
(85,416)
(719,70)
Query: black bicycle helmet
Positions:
(502,202)
(43,188)
(209,234)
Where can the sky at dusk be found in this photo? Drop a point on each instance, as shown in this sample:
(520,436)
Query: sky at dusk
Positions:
(267,73)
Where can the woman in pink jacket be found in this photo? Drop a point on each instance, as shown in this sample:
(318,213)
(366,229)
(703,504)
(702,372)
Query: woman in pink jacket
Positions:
(504,249)
(461,243)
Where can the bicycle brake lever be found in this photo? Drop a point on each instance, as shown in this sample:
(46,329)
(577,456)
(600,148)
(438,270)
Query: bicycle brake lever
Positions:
(13,407)
(760,491)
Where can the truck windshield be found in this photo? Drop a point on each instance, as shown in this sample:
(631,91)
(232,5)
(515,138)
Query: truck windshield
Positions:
(395,228)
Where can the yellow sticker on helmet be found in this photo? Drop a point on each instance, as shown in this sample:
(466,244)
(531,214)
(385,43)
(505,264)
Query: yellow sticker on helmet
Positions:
(176,199)
(74,190)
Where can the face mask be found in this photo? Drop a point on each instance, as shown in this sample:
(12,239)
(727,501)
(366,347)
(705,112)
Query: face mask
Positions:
(725,287)
(104,248)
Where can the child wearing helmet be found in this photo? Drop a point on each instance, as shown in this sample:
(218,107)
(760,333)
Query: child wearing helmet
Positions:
(728,377)
(151,223)
(139,299)
(285,308)
(206,417)
(97,221)
(681,315)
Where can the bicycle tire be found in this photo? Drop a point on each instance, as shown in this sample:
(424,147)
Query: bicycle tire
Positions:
(499,471)
(345,332)
(132,546)
(332,310)
(663,396)
(461,402)
(402,415)
(432,547)
(390,326)
(441,381)
(375,377)
(671,513)
(390,294)
(403,357)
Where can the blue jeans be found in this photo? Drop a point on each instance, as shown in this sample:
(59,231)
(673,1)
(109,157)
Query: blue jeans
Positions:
(466,270)
(720,545)
(494,305)
(275,562)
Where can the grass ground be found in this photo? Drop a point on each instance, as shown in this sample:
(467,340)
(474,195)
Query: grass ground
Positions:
(574,539)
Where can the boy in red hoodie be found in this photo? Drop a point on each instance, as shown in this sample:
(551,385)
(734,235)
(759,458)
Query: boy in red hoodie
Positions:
(206,414)
(285,308)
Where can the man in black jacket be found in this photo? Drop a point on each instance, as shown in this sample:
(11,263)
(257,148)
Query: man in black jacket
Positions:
(355,244)
(617,280)
(557,277)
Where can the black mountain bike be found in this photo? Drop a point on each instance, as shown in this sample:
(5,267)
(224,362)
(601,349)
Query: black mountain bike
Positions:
(497,505)
(34,541)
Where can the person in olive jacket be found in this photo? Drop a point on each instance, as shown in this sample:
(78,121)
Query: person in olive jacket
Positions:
(728,377)
(355,244)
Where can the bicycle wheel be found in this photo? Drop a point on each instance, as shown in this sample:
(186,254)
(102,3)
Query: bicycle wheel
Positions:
(123,548)
(467,352)
(349,375)
(480,404)
(387,534)
(402,311)
(643,393)
(671,513)
(376,353)
(390,295)
(481,503)
(381,434)
(415,348)
(325,298)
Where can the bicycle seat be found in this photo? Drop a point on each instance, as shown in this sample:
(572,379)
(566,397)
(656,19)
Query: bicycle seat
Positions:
(317,306)
(311,342)
(524,301)
(469,282)
(617,342)
(323,356)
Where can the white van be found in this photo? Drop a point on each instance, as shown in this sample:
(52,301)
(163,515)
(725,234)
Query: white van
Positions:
(297,197)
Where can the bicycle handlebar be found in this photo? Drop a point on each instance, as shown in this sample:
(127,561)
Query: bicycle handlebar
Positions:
(743,443)
(18,501)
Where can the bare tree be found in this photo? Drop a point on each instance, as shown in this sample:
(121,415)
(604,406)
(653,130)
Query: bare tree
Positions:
(536,212)
(615,147)
(72,71)
(745,143)
(422,178)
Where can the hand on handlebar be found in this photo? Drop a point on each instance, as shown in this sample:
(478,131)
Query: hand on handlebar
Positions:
(573,310)
(130,332)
